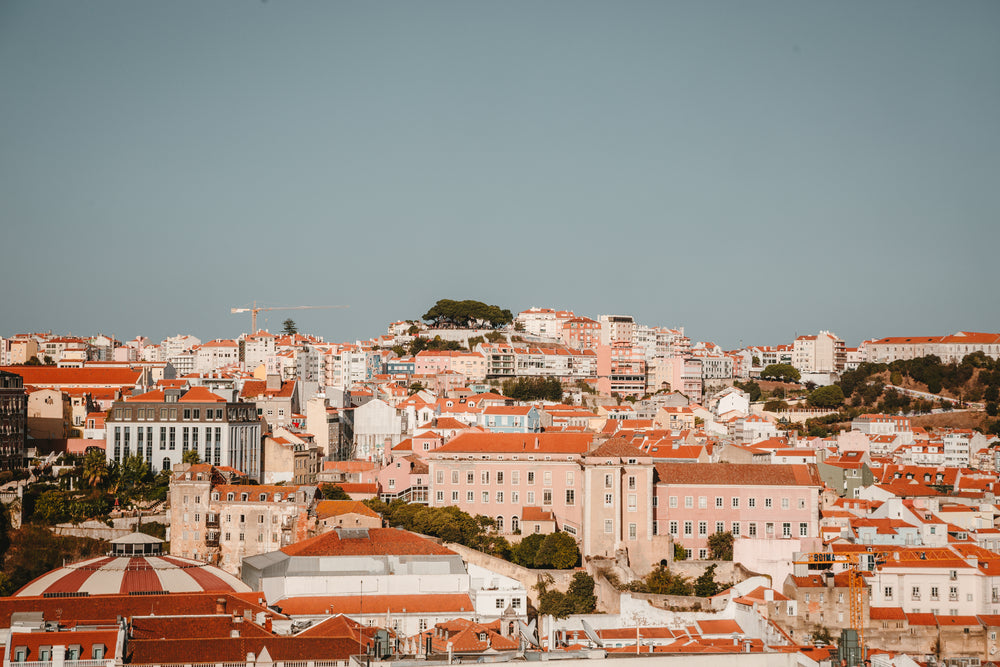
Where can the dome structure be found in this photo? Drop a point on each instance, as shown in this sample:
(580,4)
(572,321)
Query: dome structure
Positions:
(134,567)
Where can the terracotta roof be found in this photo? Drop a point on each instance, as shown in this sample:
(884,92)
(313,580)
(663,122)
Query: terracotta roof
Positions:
(328,508)
(740,474)
(376,542)
(235,649)
(200,395)
(515,443)
(617,448)
(181,627)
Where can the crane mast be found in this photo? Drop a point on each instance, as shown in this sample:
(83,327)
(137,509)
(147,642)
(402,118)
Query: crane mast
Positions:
(253,310)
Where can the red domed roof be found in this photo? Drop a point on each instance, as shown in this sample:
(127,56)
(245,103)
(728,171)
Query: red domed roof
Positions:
(126,574)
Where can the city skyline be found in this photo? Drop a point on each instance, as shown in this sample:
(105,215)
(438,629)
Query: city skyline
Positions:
(749,172)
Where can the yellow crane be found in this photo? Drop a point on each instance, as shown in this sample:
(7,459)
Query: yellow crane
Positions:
(253,310)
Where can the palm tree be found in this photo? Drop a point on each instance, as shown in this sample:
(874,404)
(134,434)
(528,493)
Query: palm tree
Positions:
(95,468)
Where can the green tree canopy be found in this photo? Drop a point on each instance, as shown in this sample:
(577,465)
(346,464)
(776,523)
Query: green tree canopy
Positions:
(705,586)
(781,373)
(289,328)
(533,389)
(720,546)
(464,314)
(558,551)
(191,456)
(831,396)
(333,492)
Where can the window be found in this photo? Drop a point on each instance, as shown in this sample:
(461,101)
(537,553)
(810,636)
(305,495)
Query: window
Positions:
(736,502)
(609,500)
(718,502)
(547,478)
(702,502)
(454,477)
(784,503)
(752,529)
(570,481)
(632,531)
(915,593)
(454,496)
(608,526)
(547,497)
(515,477)
(632,502)
(672,501)
(802,503)
(934,592)
(499,496)
(688,528)
(570,497)
(470,477)
(720,526)
(631,482)
(751,502)
(703,528)
(803,530)
(531,477)
(767,502)
(531,497)
(515,497)
(515,602)
(609,481)
(735,530)
(786,529)
(440,496)
(499,477)
(485,477)
(470,496)
(673,527)
(486,497)
(887,592)
(688,501)
(702,554)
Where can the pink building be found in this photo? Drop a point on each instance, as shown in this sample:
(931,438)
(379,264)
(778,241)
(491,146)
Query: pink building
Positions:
(752,501)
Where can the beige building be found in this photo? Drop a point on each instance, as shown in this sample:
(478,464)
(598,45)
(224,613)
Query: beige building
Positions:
(289,458)
(822,353)
(221,523)
(50,414)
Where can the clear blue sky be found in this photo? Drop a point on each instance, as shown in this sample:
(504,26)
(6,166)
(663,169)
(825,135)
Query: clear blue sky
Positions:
(747,170)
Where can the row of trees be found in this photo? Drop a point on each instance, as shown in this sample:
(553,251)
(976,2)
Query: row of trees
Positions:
(533,389)
(661,581)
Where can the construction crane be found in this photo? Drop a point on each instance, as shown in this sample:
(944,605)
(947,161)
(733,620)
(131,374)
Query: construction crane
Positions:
(256,309)
(858,563)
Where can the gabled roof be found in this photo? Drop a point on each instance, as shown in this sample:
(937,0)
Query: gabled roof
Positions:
(200,395)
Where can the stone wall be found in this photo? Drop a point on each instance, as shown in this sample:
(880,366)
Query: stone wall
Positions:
(527,577)
(99,530)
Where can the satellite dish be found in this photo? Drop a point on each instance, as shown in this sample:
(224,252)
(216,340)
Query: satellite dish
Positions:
(591,635)
(528,632)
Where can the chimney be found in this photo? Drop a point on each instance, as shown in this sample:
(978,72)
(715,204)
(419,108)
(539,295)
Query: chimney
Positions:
(768,595)
(267,623)
(536,442)
(220,605)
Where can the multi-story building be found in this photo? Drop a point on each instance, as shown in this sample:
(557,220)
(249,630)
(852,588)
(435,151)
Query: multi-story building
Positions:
(216,354)
(544,322)
(221,523)
(13,421)
(500,361)
(255,348)
(621,369)
(617,329)
(949,349)
(581,333)
(822,353)
(175,345)
(600,495)
(162,425)
(751,501)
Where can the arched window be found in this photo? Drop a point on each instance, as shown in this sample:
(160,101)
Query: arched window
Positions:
(230,496)
(499,524)
(515,525)
(166,463)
